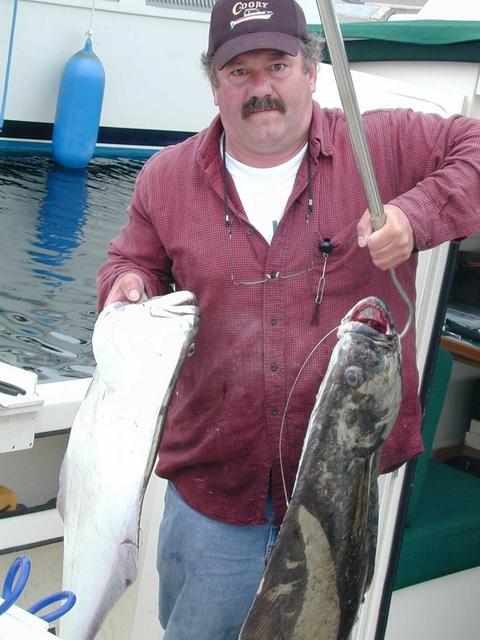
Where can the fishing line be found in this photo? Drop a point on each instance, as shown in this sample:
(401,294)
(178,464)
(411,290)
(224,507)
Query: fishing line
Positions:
(282,473)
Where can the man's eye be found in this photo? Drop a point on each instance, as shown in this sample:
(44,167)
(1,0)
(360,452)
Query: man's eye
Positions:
(279,66)
(239,72)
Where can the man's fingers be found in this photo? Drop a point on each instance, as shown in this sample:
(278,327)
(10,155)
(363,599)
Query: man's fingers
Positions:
(393,243)
(127,288)
(364,230)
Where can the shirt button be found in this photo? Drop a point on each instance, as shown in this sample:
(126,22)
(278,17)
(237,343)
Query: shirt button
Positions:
(273,320)
(250,231)
(274,411)
(273,366)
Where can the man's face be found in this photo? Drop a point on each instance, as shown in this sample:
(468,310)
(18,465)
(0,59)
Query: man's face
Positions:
(265,102)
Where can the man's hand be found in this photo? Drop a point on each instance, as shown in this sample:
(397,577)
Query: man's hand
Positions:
(393,243)
(128,287)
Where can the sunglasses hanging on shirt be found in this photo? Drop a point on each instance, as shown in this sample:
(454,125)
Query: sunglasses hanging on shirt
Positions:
(325,247)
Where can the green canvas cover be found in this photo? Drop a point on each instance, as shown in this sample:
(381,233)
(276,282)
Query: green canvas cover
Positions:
(442,532)
(440,40)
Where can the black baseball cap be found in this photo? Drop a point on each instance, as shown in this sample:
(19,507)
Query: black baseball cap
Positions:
(240,26)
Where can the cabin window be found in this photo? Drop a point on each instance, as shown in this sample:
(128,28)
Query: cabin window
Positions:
(195,5)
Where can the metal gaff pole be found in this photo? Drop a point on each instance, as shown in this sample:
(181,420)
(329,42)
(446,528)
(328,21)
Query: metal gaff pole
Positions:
(361,151)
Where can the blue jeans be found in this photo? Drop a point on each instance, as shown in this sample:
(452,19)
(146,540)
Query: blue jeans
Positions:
(209,571)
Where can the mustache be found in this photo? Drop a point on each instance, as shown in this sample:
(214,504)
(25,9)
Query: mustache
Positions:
(259,104)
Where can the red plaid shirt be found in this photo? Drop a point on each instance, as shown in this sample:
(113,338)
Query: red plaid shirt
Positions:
(221,440)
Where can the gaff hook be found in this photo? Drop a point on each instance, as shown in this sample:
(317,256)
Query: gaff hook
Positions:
(348,97)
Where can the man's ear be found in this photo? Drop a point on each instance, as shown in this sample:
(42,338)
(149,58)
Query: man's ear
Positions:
(214,92)
(312,75)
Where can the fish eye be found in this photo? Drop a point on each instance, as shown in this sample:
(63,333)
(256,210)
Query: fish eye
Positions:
(353,376)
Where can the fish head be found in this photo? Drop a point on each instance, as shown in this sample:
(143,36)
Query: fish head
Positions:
(366,375)
(181,309)
(129,340)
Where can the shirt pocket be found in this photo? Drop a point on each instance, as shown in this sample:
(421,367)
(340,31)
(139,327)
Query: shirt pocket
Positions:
(347,268)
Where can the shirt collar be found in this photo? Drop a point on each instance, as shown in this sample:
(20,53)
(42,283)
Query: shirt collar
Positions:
(320,133)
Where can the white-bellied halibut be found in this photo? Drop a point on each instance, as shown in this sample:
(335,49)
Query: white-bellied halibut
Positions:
(139,350)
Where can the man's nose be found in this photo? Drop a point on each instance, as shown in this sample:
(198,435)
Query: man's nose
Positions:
(260,83)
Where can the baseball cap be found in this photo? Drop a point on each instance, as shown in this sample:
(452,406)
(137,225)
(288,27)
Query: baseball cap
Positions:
(240,26)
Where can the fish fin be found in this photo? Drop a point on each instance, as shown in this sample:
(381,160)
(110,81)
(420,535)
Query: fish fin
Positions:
(280,590)
(363,501)
(372,526)
(297,597)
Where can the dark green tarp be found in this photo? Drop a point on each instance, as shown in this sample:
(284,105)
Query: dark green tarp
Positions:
(442,40)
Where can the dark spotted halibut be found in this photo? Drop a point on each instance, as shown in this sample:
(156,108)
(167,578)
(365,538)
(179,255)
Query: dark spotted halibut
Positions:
(323,561)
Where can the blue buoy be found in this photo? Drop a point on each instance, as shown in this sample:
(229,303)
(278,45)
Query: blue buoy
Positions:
(79,107)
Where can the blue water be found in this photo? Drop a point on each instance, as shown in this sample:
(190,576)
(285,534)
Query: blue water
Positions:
(55,225)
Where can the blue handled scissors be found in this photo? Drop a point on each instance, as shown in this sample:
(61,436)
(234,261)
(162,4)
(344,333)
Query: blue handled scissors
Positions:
(14,584)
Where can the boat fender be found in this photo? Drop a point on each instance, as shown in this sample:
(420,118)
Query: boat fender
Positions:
(79,107)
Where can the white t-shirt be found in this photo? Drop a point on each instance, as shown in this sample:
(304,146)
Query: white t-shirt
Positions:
(264,192)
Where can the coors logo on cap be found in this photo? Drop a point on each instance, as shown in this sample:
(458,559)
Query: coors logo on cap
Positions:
(250,11)
(237,27)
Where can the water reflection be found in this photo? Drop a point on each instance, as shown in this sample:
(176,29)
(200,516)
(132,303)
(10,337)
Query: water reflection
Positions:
(55,226)
(60,220)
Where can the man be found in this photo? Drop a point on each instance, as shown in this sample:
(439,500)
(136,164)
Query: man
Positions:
(260,216)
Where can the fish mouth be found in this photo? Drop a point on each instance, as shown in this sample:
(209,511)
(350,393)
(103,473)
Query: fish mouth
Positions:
(371,315)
